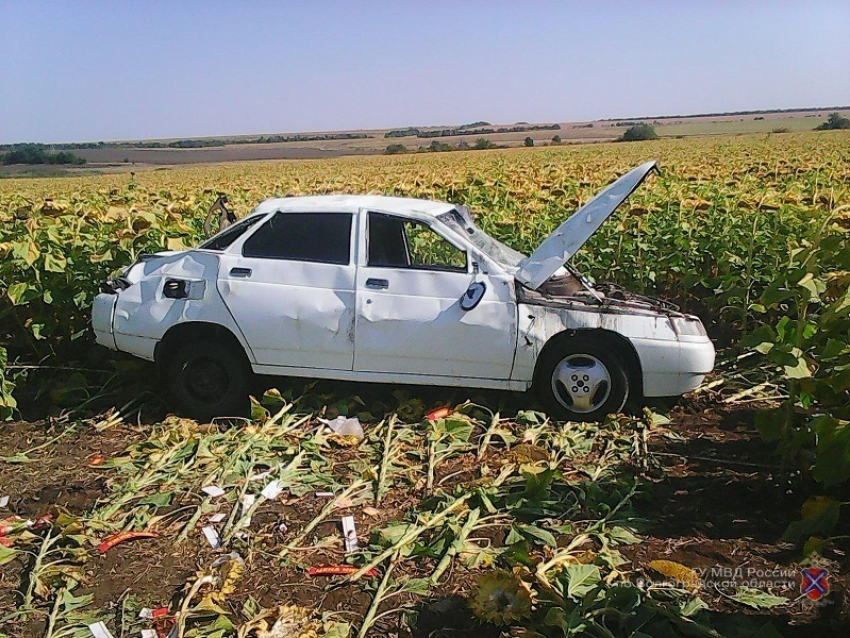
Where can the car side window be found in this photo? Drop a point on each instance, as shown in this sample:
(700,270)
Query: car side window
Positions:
(396,242)
(226,237)
(314,237)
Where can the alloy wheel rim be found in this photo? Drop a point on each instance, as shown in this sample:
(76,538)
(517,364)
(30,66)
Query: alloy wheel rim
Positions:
(581,383)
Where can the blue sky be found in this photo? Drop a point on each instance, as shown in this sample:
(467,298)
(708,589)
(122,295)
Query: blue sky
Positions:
(79,71)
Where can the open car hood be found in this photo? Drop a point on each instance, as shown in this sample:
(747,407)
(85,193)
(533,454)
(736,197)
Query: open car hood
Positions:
(561,245)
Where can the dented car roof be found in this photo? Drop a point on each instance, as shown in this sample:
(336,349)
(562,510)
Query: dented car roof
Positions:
(353,203)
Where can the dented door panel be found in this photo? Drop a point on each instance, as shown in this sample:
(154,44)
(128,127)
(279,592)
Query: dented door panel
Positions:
(296,314)
(416,325)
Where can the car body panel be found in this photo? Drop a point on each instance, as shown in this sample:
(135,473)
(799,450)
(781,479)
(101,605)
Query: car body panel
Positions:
(669,366)
(297,313)
(417,323)
(562,244)
(143,314)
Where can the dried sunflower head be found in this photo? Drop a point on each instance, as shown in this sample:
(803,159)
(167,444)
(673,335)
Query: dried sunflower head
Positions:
(501,598)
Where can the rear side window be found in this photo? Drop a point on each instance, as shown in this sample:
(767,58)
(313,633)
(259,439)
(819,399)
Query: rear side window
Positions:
(316,237)
(231,234)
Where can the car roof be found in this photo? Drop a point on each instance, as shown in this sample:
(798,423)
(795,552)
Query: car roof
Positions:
(352,203)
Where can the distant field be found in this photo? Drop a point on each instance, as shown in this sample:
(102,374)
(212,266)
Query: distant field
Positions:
(136,158)
(741,125)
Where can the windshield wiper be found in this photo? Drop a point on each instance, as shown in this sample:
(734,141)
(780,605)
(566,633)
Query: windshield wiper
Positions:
(584,281)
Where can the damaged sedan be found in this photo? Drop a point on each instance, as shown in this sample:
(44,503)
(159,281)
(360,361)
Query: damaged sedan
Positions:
(397,290)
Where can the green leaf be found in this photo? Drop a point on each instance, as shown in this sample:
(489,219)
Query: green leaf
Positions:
(820,516)
(758,599)
(17,291)
(832,461)
(799,369)
(7,554)
(621,535)
(55,263)
(538,535)
(769,424)
(581,579)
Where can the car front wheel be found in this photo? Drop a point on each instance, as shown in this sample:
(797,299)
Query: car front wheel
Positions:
(582,380)
(206,380)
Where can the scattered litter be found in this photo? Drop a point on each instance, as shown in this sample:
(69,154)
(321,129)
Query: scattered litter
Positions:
(41,522)
(212,536)
(345,426)
(371,511)
(149,633)
(96,460)
(99,630)
(212,490)
(338,570)
(217,518)
(272,490)
(282,528)
(439,413)
(248,501)
(152,614)
(123,537)
(318,495)
(4,501)
(349,533)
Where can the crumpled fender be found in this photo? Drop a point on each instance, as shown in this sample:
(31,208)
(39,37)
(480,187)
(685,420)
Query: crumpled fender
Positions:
(143,314)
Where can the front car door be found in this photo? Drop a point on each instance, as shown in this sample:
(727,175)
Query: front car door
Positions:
(410,282)
(290,285)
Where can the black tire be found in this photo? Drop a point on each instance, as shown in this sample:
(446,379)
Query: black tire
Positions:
(206,380)
(595,392)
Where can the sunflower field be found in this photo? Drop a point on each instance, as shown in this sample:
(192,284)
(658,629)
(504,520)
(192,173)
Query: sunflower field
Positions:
(534,524)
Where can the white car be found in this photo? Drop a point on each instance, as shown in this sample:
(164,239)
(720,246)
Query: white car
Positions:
(395,290)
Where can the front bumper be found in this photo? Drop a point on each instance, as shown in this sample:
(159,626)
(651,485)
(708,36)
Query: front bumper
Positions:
(672,368)
(102,317)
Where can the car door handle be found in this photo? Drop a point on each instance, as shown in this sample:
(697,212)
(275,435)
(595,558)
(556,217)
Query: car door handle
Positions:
(377,284)
(240,272)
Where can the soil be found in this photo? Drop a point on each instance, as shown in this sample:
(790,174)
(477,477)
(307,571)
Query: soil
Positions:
(715,498)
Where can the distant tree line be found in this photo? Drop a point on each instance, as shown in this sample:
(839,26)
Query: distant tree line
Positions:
(728,113)
(465,130)
(37,154)
(481,144)
(192,142)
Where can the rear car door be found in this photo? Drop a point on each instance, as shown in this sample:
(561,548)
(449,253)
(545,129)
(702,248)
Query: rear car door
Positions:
(290,286)
(409,316)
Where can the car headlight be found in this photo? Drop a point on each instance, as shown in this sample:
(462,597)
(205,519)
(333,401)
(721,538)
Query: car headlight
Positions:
(688,326)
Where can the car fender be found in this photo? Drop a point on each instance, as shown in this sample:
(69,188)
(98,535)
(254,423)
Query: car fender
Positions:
(538,324)
(144,313)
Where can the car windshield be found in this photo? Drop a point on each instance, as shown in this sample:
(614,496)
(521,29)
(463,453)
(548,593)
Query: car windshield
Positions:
(496,250)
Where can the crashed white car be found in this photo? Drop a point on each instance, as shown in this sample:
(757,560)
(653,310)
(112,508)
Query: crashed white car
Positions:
(394,290)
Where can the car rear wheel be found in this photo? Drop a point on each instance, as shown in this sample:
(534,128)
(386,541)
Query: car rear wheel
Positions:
(582,379)
(206,380)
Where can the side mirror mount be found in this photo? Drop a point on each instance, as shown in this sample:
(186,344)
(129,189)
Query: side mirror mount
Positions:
(473,295)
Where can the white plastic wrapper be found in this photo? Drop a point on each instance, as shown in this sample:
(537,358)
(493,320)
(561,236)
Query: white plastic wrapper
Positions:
(345,426)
